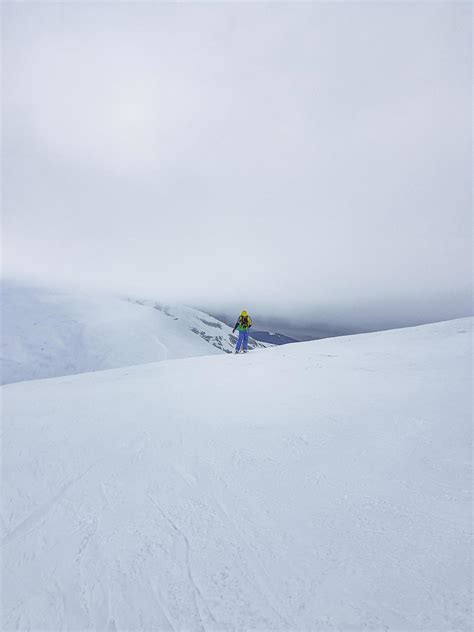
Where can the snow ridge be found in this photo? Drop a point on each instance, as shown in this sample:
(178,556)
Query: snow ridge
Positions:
(49,333)
(315,486)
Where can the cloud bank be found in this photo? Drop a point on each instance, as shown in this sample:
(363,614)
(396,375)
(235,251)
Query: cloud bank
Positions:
(308,159)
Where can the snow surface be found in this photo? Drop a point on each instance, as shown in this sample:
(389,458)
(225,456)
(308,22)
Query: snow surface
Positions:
(316,486)
(50,332)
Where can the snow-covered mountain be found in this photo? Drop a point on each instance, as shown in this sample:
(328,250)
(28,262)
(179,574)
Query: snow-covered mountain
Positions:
(316,486)
(273,338)
(48,333)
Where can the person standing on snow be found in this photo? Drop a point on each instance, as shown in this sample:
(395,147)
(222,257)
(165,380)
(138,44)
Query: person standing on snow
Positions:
(243,324)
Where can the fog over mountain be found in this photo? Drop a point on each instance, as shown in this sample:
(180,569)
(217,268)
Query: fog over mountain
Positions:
(166,165)
(309,162)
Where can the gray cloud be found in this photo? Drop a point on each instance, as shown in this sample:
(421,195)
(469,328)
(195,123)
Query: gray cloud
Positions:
(304,159)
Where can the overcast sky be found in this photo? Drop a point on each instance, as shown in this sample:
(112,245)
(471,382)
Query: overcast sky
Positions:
(309,160)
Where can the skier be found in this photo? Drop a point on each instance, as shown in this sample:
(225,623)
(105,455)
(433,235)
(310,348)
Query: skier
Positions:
(243,324)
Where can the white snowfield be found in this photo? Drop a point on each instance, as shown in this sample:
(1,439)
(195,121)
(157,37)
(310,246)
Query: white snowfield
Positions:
(50,332)
(316,486)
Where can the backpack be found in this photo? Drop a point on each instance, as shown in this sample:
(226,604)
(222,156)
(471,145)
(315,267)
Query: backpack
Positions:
(245,321)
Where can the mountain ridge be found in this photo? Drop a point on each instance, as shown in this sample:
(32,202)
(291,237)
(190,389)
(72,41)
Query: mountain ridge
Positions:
(52,332)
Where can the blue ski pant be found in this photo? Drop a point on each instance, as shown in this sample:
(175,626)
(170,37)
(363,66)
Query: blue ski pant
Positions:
(242,339)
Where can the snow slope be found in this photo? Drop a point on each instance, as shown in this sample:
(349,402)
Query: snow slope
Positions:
(315,486)
(48,333)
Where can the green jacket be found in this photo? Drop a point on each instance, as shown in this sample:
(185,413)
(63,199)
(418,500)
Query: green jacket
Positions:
(243,323)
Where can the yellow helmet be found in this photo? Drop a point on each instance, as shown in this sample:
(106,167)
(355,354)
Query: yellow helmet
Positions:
(244,313)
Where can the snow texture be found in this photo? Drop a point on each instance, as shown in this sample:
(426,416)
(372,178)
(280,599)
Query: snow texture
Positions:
(49,333)
(315,486)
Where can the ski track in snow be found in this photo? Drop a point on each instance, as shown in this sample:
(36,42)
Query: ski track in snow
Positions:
(35,519)
(334,496)
(198,599)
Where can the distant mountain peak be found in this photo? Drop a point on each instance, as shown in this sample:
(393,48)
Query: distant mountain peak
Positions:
(273,338)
